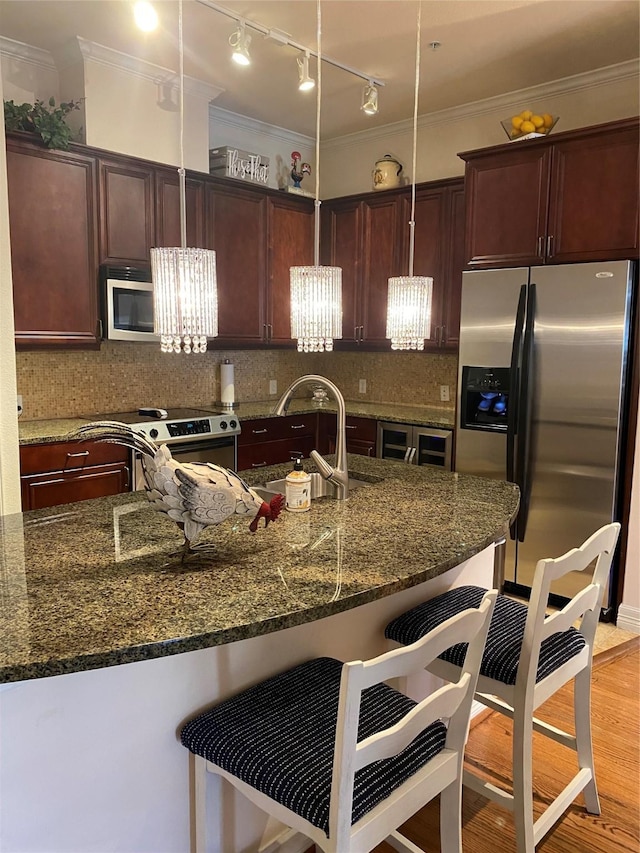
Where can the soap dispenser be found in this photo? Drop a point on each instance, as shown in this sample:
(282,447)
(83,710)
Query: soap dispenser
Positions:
(298,488)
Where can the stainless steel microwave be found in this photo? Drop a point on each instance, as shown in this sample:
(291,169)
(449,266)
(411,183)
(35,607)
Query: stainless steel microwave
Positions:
(127,304)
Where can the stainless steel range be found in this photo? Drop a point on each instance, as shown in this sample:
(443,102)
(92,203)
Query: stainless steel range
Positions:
(193,435)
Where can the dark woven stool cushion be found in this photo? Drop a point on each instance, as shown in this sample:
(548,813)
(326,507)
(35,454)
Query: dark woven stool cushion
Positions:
(279,737)
(504,642)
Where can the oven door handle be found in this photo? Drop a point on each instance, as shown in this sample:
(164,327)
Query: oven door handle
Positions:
(200,444)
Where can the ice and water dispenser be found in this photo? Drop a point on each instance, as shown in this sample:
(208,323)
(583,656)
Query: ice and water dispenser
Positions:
(484,398)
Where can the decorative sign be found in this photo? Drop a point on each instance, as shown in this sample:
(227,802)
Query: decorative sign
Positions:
(242,165)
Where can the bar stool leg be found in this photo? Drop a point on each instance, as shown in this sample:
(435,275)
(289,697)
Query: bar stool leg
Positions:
(523,777)
(584,746)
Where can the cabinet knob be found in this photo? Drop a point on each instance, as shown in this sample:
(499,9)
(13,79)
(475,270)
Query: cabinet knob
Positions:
(298,426)
(258,464)
(258,431)
(539,252)
(550,246)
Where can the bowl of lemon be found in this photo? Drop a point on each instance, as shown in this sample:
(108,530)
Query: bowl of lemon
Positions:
(529,125)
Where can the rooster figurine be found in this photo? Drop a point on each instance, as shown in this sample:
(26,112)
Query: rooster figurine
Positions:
(298,169)
(193,494)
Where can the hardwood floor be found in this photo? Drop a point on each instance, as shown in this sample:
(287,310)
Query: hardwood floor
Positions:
(487,828)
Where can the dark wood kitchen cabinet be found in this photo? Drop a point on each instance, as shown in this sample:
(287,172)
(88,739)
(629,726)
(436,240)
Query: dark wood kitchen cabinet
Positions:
(290,229)
(127,214)
(564,198)
(53,216)
(361,235)
(167,210)
(237,230)
(439,253)
(368,237)
(64,472)
(361,434)
(269,441)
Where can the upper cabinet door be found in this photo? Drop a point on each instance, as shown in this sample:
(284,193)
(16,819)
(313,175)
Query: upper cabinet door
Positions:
(237,230)
(52,213)
(342,247)
(594,197)
(167,219)
(290,228)
(381,250)
(430,249)
(127,223)
(507,199)
(449,334)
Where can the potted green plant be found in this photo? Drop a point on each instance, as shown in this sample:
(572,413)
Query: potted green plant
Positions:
(46,120)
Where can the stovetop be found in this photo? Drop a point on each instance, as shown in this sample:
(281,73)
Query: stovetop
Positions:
(180,424)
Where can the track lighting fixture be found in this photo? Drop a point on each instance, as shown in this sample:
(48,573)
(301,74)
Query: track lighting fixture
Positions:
(240,41)
(305,82)
(370,99)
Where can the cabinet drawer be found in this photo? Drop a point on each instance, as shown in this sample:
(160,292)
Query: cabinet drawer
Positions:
(360,429)
(274,452)
(273,429)
(69,455)
(55,488)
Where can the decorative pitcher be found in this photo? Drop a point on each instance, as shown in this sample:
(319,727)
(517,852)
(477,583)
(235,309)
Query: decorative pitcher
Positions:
(386,174)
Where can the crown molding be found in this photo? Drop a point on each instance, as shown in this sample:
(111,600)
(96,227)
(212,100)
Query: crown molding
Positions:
(506,101)
(102,55)
(82,49)
(26,53)
(226,118)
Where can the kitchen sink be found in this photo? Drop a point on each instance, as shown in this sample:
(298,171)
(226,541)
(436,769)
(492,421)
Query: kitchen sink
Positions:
(320,488)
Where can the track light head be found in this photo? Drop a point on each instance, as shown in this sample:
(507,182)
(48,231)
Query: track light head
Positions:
(370,99)
(305,82)
(240,41)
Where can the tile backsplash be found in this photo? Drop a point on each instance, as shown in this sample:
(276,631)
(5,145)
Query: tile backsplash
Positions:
(123,376)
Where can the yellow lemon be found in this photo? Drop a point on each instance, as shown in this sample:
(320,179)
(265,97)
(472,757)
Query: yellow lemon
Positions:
(515,133)
(526,114)
(537,121)
(547,119)
(527,127)
(516,121)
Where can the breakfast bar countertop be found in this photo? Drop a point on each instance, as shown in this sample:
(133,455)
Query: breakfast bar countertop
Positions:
(99,583)
(51,430)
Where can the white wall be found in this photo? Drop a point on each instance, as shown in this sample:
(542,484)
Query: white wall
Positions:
(9,460)
(276,143)
(27,72)
(347,162)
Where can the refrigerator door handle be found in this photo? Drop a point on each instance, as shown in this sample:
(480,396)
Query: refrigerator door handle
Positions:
(524,416)
(512,412)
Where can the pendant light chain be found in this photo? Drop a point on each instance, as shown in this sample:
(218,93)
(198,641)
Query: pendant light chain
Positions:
(409,296)
(181,172)
(412,223)
(316,239)
(185,287)
(316,292)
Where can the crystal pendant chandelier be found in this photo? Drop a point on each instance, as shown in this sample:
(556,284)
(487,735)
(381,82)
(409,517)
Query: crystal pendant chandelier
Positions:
(316,292)
(409,296)
(185,293)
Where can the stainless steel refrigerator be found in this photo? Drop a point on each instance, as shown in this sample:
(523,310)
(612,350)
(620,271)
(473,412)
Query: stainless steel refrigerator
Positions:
(542,382)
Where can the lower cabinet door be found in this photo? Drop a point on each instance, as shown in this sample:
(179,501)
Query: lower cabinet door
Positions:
(55,488)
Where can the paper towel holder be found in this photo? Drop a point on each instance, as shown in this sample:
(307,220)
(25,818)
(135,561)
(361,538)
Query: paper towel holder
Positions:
(227,405)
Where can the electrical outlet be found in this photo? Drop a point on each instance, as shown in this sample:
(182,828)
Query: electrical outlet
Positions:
(19,404)
(273,386)
(444,393)
(362,386)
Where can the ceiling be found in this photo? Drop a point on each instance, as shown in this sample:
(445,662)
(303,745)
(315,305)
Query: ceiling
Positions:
(488,47)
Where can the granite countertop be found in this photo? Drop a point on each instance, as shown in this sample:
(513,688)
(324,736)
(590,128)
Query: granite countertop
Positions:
(56,429)
(98,583)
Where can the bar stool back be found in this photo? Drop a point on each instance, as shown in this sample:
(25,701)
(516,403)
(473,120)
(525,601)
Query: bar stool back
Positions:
(528,657)
(333,752)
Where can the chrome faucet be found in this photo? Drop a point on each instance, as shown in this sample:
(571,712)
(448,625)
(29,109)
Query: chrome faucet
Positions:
(339,475)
